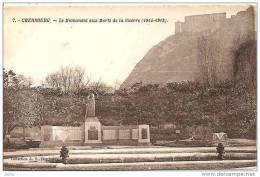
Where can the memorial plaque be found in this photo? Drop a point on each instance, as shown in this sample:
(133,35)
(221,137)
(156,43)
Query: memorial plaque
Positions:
(109,134)
(144,133)
(124,134)
(93,133)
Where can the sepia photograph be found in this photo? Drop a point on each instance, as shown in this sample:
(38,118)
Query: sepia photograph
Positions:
(129,87)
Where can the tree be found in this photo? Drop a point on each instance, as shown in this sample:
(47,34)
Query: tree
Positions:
(26,110)
(54,80)
(207,58)
(20,102)
(10,79)
(24,82)
(245,63)
(68,79)
(10,86)
(79,80)
(99,87)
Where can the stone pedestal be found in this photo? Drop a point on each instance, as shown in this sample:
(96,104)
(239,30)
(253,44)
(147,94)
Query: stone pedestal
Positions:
(92,128)
(47,133)
(143,134)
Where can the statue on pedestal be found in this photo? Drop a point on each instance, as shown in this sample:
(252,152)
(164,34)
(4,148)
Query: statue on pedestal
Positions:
(92,125)
(90,106)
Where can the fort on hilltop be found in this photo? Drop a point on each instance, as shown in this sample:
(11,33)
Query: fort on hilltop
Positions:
(209,22)
(177,58)
(199,23)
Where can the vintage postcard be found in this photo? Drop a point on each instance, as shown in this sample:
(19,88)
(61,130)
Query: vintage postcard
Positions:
(129,87)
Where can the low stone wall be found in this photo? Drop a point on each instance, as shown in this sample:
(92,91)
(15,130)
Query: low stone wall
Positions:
(120,135)
(58,135)
(30,133)
(110,135)
(67,133)
(120,132)
(200,132)
(51,144)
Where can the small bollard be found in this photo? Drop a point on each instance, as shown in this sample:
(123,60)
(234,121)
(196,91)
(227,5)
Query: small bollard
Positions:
(220,151)
(64,154)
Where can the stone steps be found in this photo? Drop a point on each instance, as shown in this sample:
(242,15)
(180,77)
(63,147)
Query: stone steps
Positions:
(132,158)
(147,150)
(180,165)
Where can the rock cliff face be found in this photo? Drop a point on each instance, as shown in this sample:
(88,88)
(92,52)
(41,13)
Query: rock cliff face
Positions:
(193,54)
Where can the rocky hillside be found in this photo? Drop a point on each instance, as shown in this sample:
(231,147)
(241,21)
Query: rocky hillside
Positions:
(206,56)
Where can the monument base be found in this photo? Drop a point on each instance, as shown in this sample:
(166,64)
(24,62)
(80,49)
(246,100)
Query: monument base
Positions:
(143,135)
(92,128)
(144,144)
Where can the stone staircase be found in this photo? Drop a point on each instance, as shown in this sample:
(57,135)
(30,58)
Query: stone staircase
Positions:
(137,158)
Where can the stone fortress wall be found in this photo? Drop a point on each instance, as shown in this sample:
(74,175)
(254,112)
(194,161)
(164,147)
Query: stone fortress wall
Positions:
(211,22)
(199,23)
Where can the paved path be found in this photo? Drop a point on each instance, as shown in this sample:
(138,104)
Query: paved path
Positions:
(136,150)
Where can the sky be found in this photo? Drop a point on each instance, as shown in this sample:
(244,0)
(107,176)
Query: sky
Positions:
(107,51)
